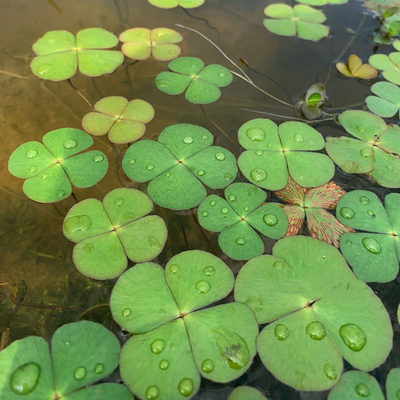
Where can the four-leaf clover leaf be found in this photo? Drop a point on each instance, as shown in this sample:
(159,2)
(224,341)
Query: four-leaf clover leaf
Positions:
(201,83)
(389,64)
(179,164)
(386,103)
(239,217)
(53,167)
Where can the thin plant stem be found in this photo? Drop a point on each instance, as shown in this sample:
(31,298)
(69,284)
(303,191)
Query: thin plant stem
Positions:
(205,20)
(184,235)
(74,197)
(88,310)
(12,74)
(80,93)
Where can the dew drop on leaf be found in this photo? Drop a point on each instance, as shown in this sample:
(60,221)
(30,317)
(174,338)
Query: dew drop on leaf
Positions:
(298,138)
(371,245)
(281,332)
(42,69)
(163,83)
(70,144)
(278,264)
(174,269)
(157,346)
(152,392)
(209,270)
(119,202)
(188,140)
(132,161)
(259,152)
(349,242)
(364,200)
(213,203)
(203,287)
(220,156)
(347,213)
(258,175)
(45,177)
(32,170)
(80,373)
(150,167)
(228,176)
(316,330)
(126,312)
(204,213)
(240,241)
(362,390)
(353,336)
(164,364)
(330,371)
(255,134)
(31,154)
(185,387)
(225,210)
(246,209)
(201,172)
(371,213)
(204,137)
(99,369)
(25,378)
(270,219)
(207,366)
(232,198)
(366,153)
(77,223)
(98,158)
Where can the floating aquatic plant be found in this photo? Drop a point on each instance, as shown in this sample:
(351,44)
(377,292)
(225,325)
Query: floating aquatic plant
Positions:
(312,205)
(354,385)
(386,103)
(321,2)
(179,165)
(272,154)
(374,151)
(389,64)
(373,255)
(240,217)
(142,43)
(200,83)
(317,312)
(124,121)
(246,393)
(356,69)
(313,101)
(301,20)
(59,54)
(108,232)
(176,3)
(51,168)
(81,353)
(175,339)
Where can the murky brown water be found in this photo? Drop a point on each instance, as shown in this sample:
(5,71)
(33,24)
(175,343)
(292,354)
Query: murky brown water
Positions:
(40,289)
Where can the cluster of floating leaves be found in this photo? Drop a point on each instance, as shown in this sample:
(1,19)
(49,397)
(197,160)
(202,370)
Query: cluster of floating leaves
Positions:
(388,64)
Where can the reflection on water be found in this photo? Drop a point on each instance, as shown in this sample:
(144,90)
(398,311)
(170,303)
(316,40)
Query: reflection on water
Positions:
(40,287)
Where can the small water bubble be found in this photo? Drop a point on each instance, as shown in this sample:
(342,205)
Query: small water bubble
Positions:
(168,173)
(240,241)
(366,153)
(207,366)
(278,264)
(150,167)
(228,176)
(99,369)
(203,287)
(201,172)
(371,245)
(204,213)
(259,152)
(330,371)
(164,364)
(371,213)
(246,209)
(204,137)
(132,162)
(220,156)
(270,219)
(186,387)
(31,154)
(42,69)
(232,198)
(70,144)
(221,74)
(209,270)
(349,242)
(362,390)
(160,33)
(298,138)
(98,158)
(258,175)
(213,203)
(316,330)
(126,312)
(281,332)
(255,134)
(174,269)
(45,177)
(77,223)
(225,210)
(152,392)
(353,336)
(188,140)
(25,378)
(347,213)
(364,200)
(32,170)
(80,373)
(157,346)
(67,343)
(118,202)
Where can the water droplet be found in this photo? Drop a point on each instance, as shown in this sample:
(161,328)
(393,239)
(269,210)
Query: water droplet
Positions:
(188,140)
(246,209)
(185,387)
(203,287)
(353,336)
(80,373)
(278,264)
(371,245)
(25,378)
(225,210)
(150,167)
(98,158)
(221,74)
(362,390)
(78,223)
(45,177)
(209,270)
(132,161)
(160,33)
(99,369)
(213,203)
(32,170)
(70,144)
(164,364)
(126,312)
(174,269)
(207,366)
(201,172)
(204,137)
(232,198)
(232,347)
(228,176)
(270,219)
(364,200)
(162,83)
(119,202)
(347,212)
(168,173)
(281,332)
(42,69)
(330,371)
(366,153)
(316,330)
(240,241)
(371,213)
(157,346)
(349,242)
(31,154)
(255,134)
(152,392)
(258,175)
(298,138)
(259,152)
(88,248)
(204,213)
(220,156)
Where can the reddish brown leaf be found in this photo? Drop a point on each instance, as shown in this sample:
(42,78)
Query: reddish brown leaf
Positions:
(326,196)
(292,193)
(295,216)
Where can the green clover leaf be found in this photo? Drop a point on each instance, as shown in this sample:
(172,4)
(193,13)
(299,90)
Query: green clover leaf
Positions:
(246,393)
(179,164)
(81,353)
(59,54)
(123,121)
(374,151)
(322,2)
(389,64)
(317,312)
(142,43)
(301,20)
(273,153)
(175,339)
(386,103)
(239,217)
(201,83)
(108,232)
(176,3)
(373,255)
(52,167)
